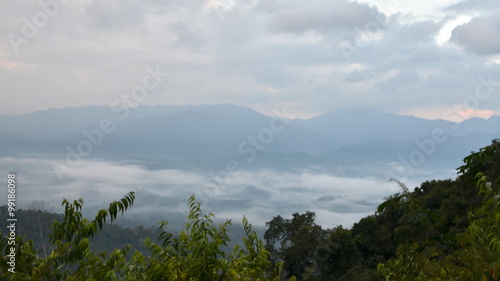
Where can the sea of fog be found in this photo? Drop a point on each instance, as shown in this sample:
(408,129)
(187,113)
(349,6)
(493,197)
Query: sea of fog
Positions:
(162,194)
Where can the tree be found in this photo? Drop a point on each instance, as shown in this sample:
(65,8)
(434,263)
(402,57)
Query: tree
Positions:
(294,242)
(338,255)
(475,254)
(196,254)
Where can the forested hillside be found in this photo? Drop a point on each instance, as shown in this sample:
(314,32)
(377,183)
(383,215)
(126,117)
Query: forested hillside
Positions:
(440,230)
(36,225)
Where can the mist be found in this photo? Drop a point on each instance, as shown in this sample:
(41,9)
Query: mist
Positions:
(162,193)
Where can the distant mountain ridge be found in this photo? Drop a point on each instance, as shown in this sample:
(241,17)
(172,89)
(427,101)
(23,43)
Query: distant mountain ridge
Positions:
(372,124)
(354,135)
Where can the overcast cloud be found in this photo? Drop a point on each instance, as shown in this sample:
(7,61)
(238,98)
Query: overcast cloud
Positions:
(404,56)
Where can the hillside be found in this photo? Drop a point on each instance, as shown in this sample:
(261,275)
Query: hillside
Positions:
(442,230)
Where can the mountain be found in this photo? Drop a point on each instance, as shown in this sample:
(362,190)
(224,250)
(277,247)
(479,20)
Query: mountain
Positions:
(478,125)
(159,131)
(358,125)
(211,131)
(208,136)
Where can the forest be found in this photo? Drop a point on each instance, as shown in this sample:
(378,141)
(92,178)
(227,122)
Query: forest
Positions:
(440,230)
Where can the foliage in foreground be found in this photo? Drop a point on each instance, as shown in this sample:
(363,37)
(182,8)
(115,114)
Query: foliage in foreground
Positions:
(473,254)
(443,230)
(195,254)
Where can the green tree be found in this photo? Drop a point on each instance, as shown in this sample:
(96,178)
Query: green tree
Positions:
(196,254)
(471,254)
(338,256)
(71,258)
(294,242)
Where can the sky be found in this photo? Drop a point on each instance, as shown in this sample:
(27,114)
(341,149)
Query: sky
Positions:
(422,58)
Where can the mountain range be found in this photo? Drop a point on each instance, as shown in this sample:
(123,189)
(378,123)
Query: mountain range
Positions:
(208,136)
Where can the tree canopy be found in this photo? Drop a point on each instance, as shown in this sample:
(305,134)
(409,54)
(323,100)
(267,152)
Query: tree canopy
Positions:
(442,230)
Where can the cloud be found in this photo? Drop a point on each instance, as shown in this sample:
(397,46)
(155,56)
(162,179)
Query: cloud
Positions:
(483,6)
(403,84)
(115,14)
(357,76)
(414,33)
(92,52)
(321,16)
(481,35)
(259,195)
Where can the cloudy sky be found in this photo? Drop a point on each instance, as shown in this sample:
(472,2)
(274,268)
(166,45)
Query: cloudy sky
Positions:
(410,57)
